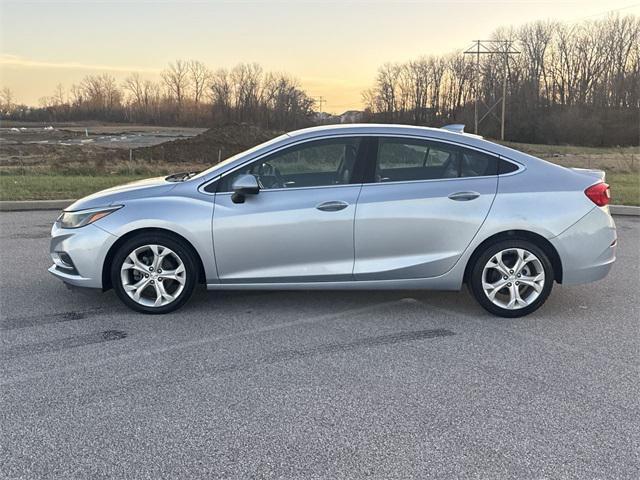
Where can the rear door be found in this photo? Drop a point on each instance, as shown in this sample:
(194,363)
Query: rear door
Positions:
(424,203)
(299,227)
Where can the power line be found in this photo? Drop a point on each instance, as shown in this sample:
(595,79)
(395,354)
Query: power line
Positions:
(606,12)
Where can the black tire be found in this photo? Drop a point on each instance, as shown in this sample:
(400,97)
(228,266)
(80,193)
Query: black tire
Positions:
(183,251)
(475,281)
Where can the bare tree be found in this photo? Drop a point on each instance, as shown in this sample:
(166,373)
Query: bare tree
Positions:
(387,86)
(200,76)
(134,85)
(535,39)
(76,95)
(177,80)
(60,95)
(246,79)
(6,97)
(221,93)
(112,94)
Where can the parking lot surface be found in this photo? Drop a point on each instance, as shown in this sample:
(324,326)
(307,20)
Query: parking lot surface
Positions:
(314,384)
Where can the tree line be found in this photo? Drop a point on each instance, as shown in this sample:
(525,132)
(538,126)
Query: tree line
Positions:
(576,83)
(188,93)
(570,83)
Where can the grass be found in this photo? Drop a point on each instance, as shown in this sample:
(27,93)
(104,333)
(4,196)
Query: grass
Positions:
(541,150)
(52,187)
(625,188)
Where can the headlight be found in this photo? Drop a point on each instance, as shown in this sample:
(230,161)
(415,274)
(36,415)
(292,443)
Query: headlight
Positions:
(84,217)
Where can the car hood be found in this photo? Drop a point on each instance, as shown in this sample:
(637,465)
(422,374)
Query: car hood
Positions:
(112,196)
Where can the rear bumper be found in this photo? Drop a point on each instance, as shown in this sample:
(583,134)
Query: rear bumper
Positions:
(87,247)
(587,249)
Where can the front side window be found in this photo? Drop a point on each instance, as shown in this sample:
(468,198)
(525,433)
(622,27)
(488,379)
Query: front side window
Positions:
(405,159)
(311,164)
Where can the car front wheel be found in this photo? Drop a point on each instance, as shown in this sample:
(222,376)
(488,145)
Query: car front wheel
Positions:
(512,278)
(154,273)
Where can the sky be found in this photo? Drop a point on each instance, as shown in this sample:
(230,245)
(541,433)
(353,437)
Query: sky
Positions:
(332,47)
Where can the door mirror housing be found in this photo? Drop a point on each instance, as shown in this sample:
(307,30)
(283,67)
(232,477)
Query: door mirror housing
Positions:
(244,185)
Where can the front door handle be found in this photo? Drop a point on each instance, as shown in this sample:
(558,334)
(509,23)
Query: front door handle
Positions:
(464,196)
(332,206)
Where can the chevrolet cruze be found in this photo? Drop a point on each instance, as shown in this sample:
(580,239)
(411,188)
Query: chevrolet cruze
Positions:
(347,207)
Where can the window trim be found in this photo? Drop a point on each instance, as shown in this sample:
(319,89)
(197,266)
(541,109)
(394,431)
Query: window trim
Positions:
(294,189)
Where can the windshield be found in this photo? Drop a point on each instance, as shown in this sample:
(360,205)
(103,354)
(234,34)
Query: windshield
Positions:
(238,155)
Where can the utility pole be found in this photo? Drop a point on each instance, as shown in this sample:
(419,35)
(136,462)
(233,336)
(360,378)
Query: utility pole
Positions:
(504,92)
(491,47)
(477,86)
(320,99)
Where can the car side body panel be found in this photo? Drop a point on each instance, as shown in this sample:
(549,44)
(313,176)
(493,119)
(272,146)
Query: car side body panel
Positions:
(545,199)
(90,246)
(588,247)
(183,212)
(282,235)
(414,230)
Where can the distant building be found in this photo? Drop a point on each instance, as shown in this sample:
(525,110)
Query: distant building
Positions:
(322,117)
(351,116)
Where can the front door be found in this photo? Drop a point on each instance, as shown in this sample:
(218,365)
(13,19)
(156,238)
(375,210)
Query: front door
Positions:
(299,227)
(422,208)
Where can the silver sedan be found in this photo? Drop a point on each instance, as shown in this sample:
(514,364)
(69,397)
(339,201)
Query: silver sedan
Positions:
(347,207)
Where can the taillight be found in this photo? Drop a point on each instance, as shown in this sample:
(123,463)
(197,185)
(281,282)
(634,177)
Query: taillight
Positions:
(599,194)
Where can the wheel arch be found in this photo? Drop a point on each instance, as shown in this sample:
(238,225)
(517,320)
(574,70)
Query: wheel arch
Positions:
(106,266)
(532,237)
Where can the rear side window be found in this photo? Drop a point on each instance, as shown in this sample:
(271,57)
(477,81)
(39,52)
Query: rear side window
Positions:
(506,167)
(476,164)
(404,159)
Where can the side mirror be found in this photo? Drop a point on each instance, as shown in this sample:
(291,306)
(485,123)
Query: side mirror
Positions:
(244,185)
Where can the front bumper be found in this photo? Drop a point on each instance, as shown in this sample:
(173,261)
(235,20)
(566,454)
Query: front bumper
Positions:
(588,248)
(87,247)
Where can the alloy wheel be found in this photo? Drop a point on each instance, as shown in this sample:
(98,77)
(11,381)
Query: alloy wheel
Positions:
(153,275)
(513,278)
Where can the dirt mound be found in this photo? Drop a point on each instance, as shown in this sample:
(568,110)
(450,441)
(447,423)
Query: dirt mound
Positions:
(28,154)
(210,146)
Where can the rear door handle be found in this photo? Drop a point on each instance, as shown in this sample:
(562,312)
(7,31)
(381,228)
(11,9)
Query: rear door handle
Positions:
(464,196)
(332,206)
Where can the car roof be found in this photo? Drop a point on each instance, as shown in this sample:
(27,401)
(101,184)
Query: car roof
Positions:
(367,128)
(411,130)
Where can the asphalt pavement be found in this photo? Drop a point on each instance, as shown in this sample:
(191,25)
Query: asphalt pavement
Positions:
(314,384)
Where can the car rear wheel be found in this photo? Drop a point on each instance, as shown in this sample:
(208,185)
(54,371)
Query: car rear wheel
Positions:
(512,278)
(154,273)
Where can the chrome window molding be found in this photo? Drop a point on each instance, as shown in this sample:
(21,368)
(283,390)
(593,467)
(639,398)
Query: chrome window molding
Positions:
(429,180)
(293,189)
